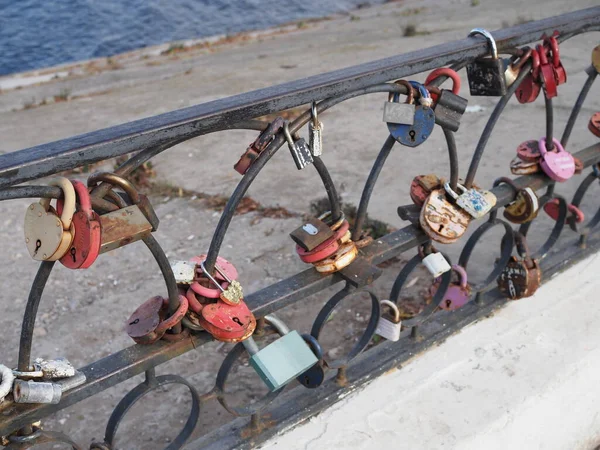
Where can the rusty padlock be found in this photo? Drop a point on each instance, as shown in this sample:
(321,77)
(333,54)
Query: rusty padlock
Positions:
(227,323)
(522,276)
(524,208)
(258,146)
(329,247)
(530,87)
(520,167)
(448,106)
(422,186)
(441,220)
(594,123)
(529,151)
(149,322)
(486,75)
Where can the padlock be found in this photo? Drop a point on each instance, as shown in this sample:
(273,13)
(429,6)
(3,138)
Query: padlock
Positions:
(315,376)
(486,75)
(149,322)
(514,67)
(389,328)
(54,369)
(328,248)
(529,151)
(436,264)
(48,236)
(547,75)
(227,323)
(520,167)
(552,208)
(85,247)
(558,165)
(312,234)
(258,146)
(594,124)
(422,185)
(135,198)
(282,360)
(315,132)
(522,276)
(44,392)
(400,113)
(477,203)
(560,74)
(342,258)
(449,107)
(422,127)
(596,58)
(184,271)
(441,220)
(578,165)
(204,286)
(298,148)
(233,294)
(6,381)
(530,87)
(458,293)
(524,208)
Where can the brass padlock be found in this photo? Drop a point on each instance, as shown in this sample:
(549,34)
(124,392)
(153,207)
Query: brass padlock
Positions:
(524,208)
(441,220)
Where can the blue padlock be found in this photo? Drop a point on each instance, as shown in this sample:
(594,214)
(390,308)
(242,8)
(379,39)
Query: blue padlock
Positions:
(422,127)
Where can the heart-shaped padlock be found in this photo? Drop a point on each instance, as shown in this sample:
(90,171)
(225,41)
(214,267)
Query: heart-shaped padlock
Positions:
(148,323)
(228,323)
(529,151)
(423,123)
(47,235)
(552,208)
(88,231)
(558,165)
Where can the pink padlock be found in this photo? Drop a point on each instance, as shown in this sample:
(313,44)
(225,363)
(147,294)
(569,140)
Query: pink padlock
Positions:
(212,292)
(458,293)
(558,165)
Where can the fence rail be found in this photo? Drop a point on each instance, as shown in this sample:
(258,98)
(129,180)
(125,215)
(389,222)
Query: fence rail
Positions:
(151,136)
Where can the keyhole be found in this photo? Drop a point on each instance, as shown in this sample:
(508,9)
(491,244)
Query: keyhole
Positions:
(238,321)
(73,251)
(412,135)
(441,228)
(38,244)
(136,321)
(306,379)
(448,303)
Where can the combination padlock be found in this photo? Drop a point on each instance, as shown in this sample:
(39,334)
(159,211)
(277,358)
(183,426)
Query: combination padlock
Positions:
(558,165)
(477,203)
(458,293)
(398,113)
(258,146)
(149,322)
(299,149)
(422,186)
(85,247)
(436,264)
(552,208)
(48,236)
(594,123)
(282,360)
(423,123)
(524,208)
(441,220)
(530,87)
(315,132)
(486,75)
(522,276)
(449,107)
(389,328)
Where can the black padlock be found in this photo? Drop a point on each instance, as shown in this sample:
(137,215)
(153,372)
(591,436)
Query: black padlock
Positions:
(449,109)
(486,75)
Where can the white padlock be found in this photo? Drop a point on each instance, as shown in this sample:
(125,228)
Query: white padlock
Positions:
(436,264)
(389,329)
(184,271)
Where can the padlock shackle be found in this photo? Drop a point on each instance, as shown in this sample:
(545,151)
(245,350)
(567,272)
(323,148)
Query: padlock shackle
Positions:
(462,273)
(522,246)
(393,307)
(541,50)
(337,224)
(116,180)
(287,134)
(523,59)
(210,277)
(66,216)
(488,37)
(314,114)
(544,150)
(83,195)
(277,323)
(448,72)
(553,43)
(410,93)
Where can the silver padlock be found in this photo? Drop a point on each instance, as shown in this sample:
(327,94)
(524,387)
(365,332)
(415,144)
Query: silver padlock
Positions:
(389,329)
(315,132)
(29,391)
(282,360)
(184,271)
(299,149)
(476,203)
(436,264)
(399,113)
(54,369)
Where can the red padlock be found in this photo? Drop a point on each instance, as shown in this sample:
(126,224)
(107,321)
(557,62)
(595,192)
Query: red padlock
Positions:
(529,151)
(422,185)
(552,209)
(209,291)
(85,247)
(560,73)
(227,323)
(452,74)
(149,323)
(529,89)
(327,248)
(547,76)
(594,124)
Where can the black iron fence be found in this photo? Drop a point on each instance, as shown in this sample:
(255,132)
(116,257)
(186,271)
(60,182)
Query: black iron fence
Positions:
(281,407)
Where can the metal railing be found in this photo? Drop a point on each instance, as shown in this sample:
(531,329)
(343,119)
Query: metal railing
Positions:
(151,136)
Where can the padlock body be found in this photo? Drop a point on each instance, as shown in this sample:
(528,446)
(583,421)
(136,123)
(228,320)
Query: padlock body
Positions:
(486,77)
(311,234)
(246,160)
(388,329)
(436,264)
(313,377)
(86,243)
(315,139)
(518,281)
(441,220)
(417,133)
(520,167)
(283,360)
(559,166)
(456,297)
(44,233)
(421,186)
(342,258)
(594,124)
(476,203)
(122,227)
(399,113)
(525,207)
(548,80)
(528,90)
(301,154)
(449,109)
(228,323)
(184,271)
(529,151)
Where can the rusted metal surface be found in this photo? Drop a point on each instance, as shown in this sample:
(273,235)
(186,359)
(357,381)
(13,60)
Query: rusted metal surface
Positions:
(122,227)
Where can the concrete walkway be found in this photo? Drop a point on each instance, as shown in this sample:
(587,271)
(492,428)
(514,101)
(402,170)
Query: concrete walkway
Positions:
(527,378)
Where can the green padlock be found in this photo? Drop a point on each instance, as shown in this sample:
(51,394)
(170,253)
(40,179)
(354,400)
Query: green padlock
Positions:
(283,360)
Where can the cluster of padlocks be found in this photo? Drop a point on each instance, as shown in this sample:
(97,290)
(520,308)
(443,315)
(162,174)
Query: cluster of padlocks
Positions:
(107,212)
